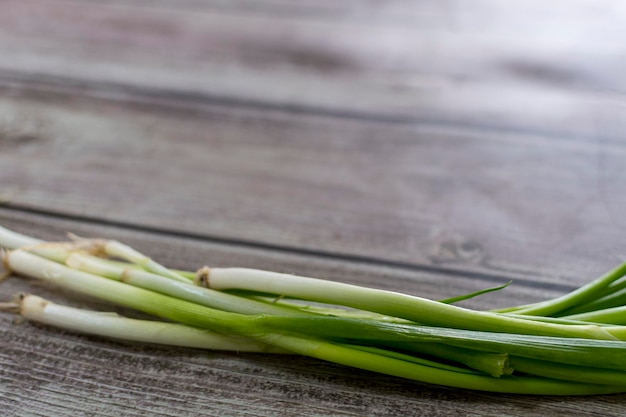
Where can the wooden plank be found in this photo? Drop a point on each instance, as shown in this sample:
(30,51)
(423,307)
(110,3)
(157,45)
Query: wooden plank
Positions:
(44,371)
(422,196)
(532,18)
(162,124)
(527,65)
(182,252)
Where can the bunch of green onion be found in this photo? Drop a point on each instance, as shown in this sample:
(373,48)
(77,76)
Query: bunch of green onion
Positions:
(571,345)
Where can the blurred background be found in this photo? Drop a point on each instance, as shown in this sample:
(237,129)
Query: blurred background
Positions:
(414,131)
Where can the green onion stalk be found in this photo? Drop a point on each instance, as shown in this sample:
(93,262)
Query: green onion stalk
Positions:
(411,337)
(115,326)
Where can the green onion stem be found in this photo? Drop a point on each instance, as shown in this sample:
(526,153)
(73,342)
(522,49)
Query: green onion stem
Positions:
(59,251)
(13,240)
(494,364)
(417,309)
(115,326)
(614,299)
(117,249)
(568,372)
(556,320)
(181,290)
(413,359)
(391,366)
(588,352)
(614,315)
(579,296)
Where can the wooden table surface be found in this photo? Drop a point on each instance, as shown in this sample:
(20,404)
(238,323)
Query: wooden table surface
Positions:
(430,147)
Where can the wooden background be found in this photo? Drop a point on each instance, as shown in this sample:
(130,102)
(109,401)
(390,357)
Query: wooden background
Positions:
(430,147)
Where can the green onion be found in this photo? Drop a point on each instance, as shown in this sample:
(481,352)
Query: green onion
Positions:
(395,304)
(582,295)
(568,372)
(522,350)
(615,315)
(117,249)
(115,326)
(181,290)
(615,298)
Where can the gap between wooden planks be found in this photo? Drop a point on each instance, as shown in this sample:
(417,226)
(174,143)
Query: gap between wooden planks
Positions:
(471,200)
(530,65)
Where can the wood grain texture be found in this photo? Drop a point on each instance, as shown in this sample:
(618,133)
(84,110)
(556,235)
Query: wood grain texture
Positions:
(430,147)
(527,65)
(45,371)
(503,204)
